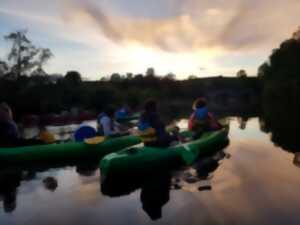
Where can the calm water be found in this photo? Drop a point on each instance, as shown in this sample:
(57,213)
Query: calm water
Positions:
(250,182)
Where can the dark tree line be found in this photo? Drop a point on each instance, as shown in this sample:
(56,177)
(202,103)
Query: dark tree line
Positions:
(29,89)
(281,95)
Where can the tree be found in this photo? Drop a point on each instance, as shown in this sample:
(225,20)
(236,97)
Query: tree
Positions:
(263,70)
(44,55)
(115,77)
(241,74)
(3,68)
(150,72)
(129,76)
(170,76)
(296,34)
(73,77)
(24,56)
(192,77)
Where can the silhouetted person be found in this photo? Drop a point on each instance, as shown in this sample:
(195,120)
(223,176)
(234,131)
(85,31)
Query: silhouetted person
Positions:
(151,127)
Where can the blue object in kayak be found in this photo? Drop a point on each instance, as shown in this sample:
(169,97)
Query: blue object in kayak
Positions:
(201,113)
(84,132)
(122,113)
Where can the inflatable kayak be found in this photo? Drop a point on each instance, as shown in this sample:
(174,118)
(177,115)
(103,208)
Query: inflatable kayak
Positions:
(65,151)
(130,118)
(140,159)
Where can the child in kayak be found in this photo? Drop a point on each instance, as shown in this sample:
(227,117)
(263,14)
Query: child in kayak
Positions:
(108,125)
(9,132)
(152,129)
(201,119)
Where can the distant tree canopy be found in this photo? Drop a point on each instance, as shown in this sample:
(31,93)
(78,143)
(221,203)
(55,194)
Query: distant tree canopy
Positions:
(284,62)
(73,77)
(150,72)
(241,73)
(192,77)
(24,57)
(115,77)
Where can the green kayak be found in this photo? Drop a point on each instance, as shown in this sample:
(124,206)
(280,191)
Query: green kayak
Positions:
(65,151)
(141,159)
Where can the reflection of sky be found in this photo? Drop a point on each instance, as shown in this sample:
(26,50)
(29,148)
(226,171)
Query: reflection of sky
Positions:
(258,184)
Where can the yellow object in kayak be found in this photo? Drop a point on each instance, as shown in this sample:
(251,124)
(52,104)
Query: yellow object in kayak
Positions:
(46,137)
(94,140)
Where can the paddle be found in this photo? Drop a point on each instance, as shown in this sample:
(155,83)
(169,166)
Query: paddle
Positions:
(94,140)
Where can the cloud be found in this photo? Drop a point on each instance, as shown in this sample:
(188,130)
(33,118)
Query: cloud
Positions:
(197,24)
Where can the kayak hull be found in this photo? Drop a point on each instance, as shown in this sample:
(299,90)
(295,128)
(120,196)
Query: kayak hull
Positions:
(65,151)
(148,159)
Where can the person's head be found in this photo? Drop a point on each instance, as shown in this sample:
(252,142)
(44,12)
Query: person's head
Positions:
(150,106)
(110,111)
(199,103)
(5,112)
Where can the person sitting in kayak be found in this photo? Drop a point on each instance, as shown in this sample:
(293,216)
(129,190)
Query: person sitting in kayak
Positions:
(107,124)
(152,129)
(9,132)
(123,113)
(201,119)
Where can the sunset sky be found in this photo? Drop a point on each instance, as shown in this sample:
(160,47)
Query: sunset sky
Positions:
(200,37)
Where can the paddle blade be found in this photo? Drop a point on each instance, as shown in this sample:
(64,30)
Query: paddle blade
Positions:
(94,140)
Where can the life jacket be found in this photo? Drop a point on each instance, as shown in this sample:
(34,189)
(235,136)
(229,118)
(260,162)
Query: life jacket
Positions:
(208,122)
(213,123)
(122,113)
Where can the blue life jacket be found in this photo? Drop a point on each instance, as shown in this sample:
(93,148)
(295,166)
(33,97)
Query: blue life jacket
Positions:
(201,113)
(122,113)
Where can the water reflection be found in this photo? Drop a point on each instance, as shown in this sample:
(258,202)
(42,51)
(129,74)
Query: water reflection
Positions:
(9,181)
(249,182)
(12,177)
(281,118)
(155,187)
(243,122)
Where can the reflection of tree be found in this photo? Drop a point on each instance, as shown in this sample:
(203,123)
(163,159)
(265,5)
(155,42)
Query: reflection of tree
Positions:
(281,116)
(282,119)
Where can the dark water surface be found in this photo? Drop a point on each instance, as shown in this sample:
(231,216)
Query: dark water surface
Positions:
(250,182)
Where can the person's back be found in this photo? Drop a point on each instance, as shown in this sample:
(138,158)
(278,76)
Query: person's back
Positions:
(201,119)
(107,124)
(152,129)
(9,133)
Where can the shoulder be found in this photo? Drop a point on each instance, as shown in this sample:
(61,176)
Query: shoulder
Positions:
(104,119)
